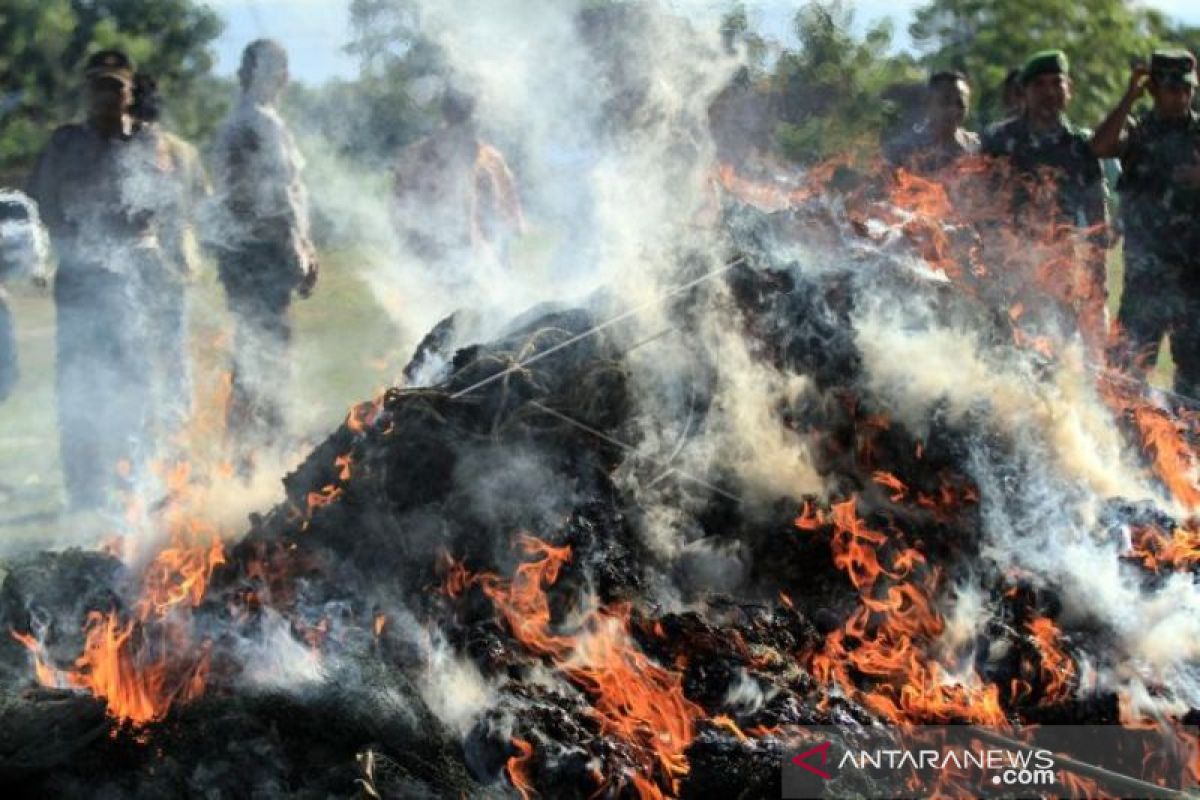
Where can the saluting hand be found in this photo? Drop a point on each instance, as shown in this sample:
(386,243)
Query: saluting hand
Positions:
(1139,81)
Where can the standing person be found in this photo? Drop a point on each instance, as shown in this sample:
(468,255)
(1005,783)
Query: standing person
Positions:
(1057,190)
(1043,140)
(103,226)
(456,197)
(165,300)
(259,232)
(22,257)
(1160,203)
(940,140)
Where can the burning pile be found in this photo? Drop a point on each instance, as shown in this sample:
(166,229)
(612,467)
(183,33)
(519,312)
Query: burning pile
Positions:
(461,595)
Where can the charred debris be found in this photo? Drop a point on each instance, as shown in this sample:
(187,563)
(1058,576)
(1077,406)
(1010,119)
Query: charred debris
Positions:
(482,538)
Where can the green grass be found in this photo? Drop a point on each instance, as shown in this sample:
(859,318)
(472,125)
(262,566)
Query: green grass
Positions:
(345,348)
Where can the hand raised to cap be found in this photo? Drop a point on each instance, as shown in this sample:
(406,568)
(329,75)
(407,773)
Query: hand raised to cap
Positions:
(1139,80)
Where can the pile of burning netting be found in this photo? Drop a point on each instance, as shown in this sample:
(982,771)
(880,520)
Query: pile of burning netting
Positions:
(459,596)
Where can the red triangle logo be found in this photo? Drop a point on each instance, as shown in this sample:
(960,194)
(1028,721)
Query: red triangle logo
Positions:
(823,750)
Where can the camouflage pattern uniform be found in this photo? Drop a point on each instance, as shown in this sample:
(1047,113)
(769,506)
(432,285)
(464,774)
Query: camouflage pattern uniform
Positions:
(1063,153)
(1054,180)
(1162,245)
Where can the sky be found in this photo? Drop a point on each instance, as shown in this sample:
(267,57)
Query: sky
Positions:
(314,31)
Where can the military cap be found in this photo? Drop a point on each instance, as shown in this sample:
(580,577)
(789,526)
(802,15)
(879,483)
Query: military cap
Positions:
(109,64)
(1173,66)
(1047,62)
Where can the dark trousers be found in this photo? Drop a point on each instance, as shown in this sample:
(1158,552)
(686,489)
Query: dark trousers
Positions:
(1161,297)
(102,382)
(258,281)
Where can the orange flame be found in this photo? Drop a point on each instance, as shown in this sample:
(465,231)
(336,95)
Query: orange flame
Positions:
(517,768)
(1057,669)
(1179,551)
(634,699)
(887,638)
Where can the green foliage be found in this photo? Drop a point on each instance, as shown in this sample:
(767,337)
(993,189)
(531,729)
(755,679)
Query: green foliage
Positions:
(985,39)
(44,44)
(828,92)
(384,108)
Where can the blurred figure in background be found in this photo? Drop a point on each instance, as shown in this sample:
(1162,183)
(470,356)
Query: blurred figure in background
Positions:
(456,198)
(1160,203)
(22,257)
(1013,94)
(259,232)
(95,185)
(164,301)
(940,139)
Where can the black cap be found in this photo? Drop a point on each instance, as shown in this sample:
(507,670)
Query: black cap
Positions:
(109,64)
(1173,66)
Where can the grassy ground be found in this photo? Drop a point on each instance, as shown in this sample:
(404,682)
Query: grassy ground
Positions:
(346,348)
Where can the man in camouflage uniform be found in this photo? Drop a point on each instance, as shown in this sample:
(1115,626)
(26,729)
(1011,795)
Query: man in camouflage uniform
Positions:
(940,140)
(1058,197)
(95,188)
(259,232)
(1042,141)
(165,301)
(1160,203)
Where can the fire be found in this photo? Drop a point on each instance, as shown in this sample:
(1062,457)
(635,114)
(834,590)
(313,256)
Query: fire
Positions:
(887,639)
(517,768)
(326,496)
(364,415)
(142,666)
(1057,669)
(458,577)
(144,660)
(343,463)
(1156,550)
(633,699)
(1174,462)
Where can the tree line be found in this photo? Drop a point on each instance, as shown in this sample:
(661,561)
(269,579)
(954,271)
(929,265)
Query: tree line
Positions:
(831,89)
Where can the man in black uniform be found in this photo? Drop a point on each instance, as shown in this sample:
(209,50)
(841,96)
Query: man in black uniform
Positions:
(95,188)
(1160,191)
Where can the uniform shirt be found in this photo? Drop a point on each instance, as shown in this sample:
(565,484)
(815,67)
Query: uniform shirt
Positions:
(920,152)
(99,196)
(259,197)
(1066,152)
(1156,210)
(186,189)
(455,192)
